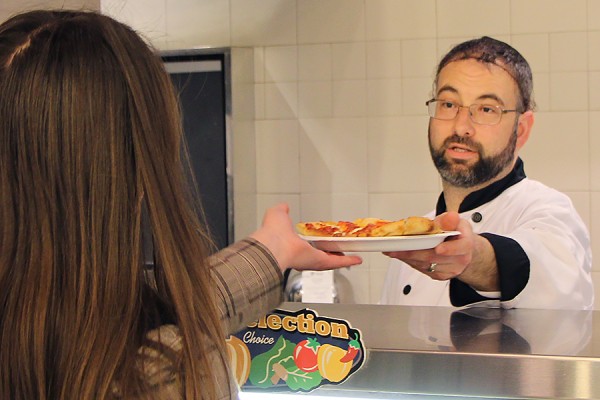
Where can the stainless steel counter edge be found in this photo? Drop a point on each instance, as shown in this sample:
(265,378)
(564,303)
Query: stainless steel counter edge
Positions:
(469,353)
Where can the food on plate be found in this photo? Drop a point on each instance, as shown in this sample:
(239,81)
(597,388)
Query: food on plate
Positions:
(369,227)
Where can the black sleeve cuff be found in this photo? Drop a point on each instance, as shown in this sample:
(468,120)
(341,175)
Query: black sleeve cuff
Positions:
(513,273)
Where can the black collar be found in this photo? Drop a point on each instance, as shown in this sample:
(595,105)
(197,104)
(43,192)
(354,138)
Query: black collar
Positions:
(488,193)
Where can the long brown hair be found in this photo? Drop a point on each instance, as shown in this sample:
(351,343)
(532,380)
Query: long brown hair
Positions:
(90,142)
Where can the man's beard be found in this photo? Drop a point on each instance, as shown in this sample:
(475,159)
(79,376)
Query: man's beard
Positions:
(457,173)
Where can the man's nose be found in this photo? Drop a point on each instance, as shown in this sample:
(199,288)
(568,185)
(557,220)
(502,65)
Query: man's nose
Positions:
(463,124)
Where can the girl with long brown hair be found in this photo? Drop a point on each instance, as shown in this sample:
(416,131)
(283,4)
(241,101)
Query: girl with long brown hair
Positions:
(90,153)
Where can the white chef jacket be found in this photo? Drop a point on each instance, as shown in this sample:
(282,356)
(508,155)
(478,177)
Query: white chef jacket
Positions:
(542,249)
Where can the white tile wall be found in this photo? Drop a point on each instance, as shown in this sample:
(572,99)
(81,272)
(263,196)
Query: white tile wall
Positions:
(541,91)
(243,165)
(593,10)
(384,59)
(333,155)
(400,19)
(338,206)
(593,46)
(315,99)
(259,64)
(536,49)
(415,91)
(10,7)
(281,100)
(341,80)
(183,28)
(256,22)
(557,152)
(259,101)
(330,21)
(398,156)
(349,60)
(264,201)
(594,90)
(594,143)
(387,205)
(350,98)
(418,58)
(564,55)
(384,97)
(595,231)
(281,64)
(314,62)
(465,18)
(534,16)
(568,91)
(148,18)
(277,146)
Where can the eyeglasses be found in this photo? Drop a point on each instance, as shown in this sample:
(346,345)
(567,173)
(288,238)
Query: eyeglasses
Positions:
(482,114)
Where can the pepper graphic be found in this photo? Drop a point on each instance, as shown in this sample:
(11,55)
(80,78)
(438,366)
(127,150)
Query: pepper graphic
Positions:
(330,366)
(353,348)
(334,362)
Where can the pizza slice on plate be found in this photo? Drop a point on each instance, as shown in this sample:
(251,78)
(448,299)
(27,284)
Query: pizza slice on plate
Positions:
(369,227)
(326,228)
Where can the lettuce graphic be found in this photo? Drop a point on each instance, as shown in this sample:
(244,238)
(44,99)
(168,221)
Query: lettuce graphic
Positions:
(278,363)
(261,370)
(298,379)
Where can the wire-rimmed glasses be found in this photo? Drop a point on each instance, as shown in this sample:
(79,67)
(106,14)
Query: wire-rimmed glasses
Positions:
(482,114)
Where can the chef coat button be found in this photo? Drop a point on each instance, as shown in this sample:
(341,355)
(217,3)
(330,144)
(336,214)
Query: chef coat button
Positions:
(406,289)
(476,217)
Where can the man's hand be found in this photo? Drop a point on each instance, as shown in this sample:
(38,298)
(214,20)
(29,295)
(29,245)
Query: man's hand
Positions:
(468,256)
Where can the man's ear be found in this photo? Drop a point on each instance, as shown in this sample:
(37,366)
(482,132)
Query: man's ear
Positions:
(524,125)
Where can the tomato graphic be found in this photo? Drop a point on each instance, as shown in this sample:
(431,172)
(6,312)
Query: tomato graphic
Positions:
(305,355)
(329,364)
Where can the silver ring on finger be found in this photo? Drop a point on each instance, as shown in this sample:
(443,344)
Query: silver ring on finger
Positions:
(432,267)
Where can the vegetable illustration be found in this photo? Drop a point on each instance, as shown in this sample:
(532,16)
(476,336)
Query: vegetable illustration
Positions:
(305,355)
(261,371)
(329,364)
(280,373)
(294,377)
(298,379)
(353,348)
(239,359)
(297,351)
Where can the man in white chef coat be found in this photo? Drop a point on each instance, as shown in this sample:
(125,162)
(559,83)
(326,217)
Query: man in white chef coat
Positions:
(521,243)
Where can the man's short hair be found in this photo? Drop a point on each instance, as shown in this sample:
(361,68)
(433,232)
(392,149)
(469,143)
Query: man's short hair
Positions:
(492,51)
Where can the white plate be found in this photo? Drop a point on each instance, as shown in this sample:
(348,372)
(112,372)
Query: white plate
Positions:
(380,244)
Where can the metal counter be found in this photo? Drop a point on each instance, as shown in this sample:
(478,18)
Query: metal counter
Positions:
(436,352)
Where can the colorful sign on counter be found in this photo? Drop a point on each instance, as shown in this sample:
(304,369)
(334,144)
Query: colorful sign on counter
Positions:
(297,351)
